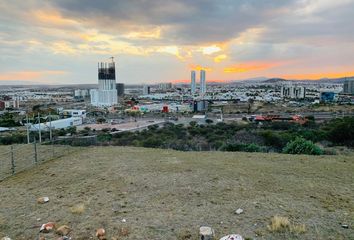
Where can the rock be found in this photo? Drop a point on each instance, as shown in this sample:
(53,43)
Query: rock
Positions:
(206,233)
(47,227)
(239,211)
(42,200)
(64,238)
(6,238)
(124,220)
(41,238)
(63,230)
(101,234)
(346,226)
(232,237)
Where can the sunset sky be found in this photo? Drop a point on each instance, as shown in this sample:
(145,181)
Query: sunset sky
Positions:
(61,41)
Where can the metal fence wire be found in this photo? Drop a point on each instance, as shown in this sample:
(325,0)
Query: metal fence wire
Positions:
(16,158)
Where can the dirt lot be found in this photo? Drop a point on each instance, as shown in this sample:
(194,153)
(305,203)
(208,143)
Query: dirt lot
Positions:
(138,193)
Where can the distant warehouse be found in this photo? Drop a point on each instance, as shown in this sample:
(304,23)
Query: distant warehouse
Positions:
(57,124)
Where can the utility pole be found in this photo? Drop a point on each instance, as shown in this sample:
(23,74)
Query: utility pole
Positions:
(27,127)
(39,128)
(50,127)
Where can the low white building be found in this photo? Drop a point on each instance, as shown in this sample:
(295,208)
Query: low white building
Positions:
(57,124)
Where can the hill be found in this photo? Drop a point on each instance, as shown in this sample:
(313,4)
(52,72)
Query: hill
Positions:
(138,193)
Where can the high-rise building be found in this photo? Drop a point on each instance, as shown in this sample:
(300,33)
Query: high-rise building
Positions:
(106,94)
(293,92)
(348,87)
(202,82)
(164,86)
(193,83)
(146,90)
(120,89)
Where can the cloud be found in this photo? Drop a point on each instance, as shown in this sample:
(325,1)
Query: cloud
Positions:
(199,67)
(320,75)
(29,75)
(249,66)
(220,58)
(315,36)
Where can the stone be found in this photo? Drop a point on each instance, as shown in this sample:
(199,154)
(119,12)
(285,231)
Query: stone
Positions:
(63,230)
(239,211)
(101,234)
(47,227)
(6,238)
(206,233)
(345,226)
(42,200)
(232,237)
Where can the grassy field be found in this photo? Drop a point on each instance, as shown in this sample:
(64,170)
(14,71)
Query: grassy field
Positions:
(138,193)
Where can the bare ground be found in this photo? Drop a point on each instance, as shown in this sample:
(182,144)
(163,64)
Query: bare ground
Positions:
(165,194)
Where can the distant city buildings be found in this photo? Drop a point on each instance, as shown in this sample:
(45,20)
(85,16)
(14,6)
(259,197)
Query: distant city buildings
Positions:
(164,86)
(193,83)
(292,92)
(328,96)
(106,94)
(120,89)
(348,87)
(81,93)
(146,90)
(8,103)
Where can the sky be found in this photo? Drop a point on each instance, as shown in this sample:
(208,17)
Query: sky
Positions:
(61,41)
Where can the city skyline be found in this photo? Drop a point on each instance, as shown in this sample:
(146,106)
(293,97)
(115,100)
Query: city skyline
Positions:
(60,42)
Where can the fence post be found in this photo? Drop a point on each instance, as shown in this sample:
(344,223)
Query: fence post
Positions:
(53,154)
(12,160)
(35,152)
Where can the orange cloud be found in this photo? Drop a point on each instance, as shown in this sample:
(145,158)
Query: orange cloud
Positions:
(220,58)
(52,17)
(248,67)
(28,75)
(199,67)
(314,76)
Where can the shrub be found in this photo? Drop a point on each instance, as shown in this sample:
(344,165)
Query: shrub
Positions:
(302,146)
(239,147)
(341,131)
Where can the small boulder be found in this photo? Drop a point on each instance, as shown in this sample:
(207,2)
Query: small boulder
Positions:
(63,230)
(42,200)
(206,233)
(47,227)
(232,237)
(101,234)
(239,211)
(6,238)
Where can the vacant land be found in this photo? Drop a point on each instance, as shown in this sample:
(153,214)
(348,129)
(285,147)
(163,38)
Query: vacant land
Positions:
(138,193)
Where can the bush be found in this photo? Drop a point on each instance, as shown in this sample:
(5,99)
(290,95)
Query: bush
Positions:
(302,146)
(239,147)
(341,131)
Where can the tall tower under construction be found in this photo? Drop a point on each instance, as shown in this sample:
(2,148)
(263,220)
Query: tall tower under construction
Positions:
(106,94)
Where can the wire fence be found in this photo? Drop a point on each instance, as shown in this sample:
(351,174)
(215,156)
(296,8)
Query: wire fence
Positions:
(16,158)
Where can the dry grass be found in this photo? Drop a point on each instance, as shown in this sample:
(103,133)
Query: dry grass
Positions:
(166,194)
(298,229)
(283,224)
(279,224)
(78,209)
